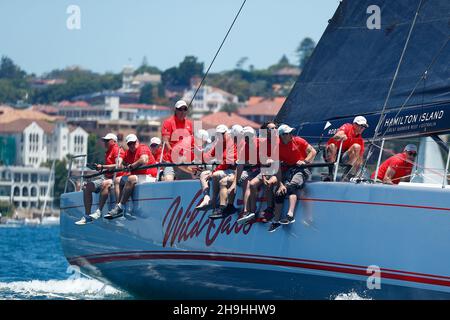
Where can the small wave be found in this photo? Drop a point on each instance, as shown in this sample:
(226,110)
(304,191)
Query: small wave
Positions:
(71,289)
(350,296)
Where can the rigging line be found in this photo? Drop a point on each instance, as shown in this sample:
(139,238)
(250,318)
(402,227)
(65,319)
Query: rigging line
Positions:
(217,52)
(380,121)
(397,70)
(422,77)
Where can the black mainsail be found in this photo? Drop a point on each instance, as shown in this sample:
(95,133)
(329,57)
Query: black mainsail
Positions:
(354,66)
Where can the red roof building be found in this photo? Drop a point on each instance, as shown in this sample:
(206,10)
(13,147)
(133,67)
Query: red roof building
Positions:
(260,109)
(229,119)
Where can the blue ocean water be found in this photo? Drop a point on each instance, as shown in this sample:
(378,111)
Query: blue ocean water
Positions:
(33,266)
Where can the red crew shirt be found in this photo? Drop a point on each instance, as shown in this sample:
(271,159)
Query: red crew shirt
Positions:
(168,129)
(190,152)
(293,151)
(399,164)
(131,157)
(110,158)
(352,138)
(229,152)
(157,154)
(245,150)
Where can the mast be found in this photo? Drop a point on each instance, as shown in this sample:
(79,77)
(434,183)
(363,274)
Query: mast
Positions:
(51,179)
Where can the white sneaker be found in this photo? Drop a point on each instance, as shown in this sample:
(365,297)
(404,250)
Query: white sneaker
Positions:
(96,215)
(84,220)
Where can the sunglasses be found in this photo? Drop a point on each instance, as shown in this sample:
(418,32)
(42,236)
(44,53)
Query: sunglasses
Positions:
(182,109)
(154,145)
(412,153)
(131,143)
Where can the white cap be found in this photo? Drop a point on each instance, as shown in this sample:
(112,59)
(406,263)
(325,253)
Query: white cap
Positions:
(180,104)
(248,131)
(203,135)
(236,130)
(221,128)
(155,140)
(110,136)
(284,128)
(131,138)
(411,147)
(360,120)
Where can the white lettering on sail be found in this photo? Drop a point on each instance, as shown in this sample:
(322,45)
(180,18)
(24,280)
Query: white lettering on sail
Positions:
(374,21)
(414,118)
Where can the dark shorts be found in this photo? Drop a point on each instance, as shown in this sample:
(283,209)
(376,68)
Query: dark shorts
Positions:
(248,175)
(294,179)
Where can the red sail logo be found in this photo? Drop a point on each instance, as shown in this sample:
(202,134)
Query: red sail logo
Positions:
(180,225)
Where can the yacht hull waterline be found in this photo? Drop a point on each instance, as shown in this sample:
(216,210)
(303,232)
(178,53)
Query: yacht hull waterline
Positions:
(347,237)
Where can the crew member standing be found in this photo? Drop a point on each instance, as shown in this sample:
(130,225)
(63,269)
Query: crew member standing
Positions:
(173,130)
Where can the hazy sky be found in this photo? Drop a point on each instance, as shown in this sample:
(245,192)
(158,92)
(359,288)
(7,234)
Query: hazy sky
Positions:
(116,32)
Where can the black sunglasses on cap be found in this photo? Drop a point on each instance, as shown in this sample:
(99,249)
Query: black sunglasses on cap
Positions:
(182,109)
(412,153)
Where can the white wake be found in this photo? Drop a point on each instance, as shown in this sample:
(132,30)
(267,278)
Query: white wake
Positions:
(72,289)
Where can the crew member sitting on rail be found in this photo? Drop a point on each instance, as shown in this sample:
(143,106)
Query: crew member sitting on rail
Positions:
(137,155)
(224,151)
(247,164)
(398,167)
(197,150)
(173,130)
(266,176)
(113,158)
(156,149)
(294,152)
(193,149)
(349,135)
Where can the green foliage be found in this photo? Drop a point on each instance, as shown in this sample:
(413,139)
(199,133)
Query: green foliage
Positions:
(146,95)
(60,180)
(304,51)
(283,63)
(7,150)
(9,70)
(181,75)
(149,69)
(96,149)
(13,85)
(78,82)
(230,108)
(241,62)
(243,83)
(7,209)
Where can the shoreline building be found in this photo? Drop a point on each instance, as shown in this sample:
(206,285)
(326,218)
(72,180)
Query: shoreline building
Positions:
(260,109)
(26,187)
(208,100)
(123,119)
(31,143)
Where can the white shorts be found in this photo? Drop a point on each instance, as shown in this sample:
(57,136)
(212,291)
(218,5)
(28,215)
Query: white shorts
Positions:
(145,178)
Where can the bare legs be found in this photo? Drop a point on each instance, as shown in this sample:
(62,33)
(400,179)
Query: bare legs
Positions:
(87,195)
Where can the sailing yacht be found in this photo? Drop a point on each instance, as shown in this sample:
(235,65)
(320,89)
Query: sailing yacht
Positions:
(385,60)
